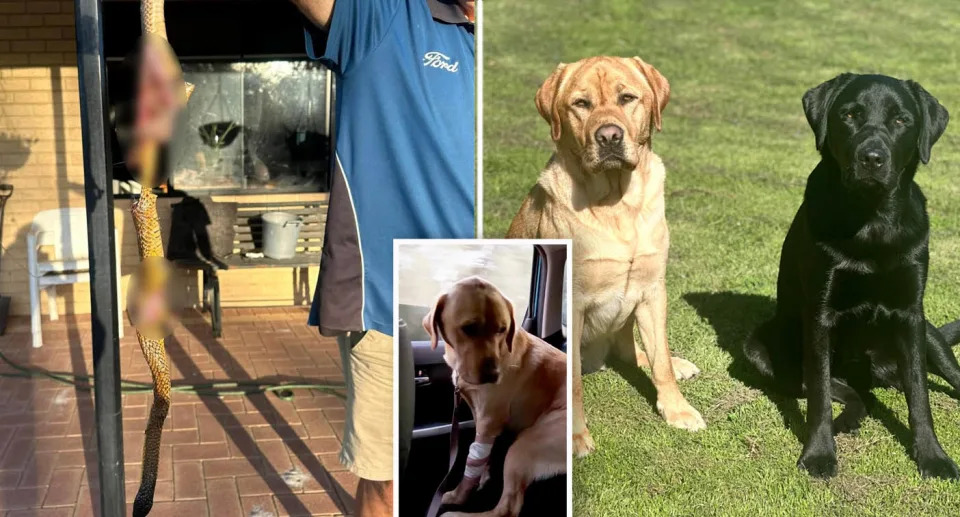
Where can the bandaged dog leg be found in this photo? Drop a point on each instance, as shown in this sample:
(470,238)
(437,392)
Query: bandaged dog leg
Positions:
(477,462)
(477,468)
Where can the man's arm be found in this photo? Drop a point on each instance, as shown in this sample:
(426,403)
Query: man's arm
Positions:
(317,11)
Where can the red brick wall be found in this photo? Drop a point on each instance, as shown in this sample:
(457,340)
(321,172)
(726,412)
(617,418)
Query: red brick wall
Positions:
(41,154)
(40,143)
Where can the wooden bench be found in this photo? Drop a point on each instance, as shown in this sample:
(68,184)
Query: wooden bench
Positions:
(247,239)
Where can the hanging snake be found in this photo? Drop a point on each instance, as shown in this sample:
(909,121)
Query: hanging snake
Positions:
(147,300)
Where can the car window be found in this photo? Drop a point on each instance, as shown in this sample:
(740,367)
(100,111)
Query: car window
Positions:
(426,270)
(566,286)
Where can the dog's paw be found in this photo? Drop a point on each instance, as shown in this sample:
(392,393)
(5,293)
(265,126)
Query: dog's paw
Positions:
(682,416)
(939,466)
(684,369)
(821,465)
(847,422)
(582,444)
(453,497)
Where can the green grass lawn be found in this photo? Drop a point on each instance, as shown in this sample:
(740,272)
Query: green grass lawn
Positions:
(738,151)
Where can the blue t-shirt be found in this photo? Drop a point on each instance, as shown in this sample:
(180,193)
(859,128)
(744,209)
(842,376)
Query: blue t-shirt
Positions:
(404,151)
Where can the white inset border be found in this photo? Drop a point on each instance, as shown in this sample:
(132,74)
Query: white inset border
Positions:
(567,279)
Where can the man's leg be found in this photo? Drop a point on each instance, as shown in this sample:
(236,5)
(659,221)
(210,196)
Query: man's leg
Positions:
(368,434)
(374,498)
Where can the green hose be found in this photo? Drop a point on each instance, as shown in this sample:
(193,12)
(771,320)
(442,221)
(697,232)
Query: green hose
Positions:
(283,391)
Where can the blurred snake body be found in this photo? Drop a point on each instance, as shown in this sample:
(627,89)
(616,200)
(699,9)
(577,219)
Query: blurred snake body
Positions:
(152,277)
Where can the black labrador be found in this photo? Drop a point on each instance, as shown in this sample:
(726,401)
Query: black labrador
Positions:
(853,271)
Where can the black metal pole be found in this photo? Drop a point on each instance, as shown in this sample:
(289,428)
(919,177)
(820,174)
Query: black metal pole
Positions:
(98,184)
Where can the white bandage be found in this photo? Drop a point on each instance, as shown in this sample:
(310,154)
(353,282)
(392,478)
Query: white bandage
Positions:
(477,459)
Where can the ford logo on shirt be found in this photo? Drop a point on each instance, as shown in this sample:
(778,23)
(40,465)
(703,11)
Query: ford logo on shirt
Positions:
(439,60)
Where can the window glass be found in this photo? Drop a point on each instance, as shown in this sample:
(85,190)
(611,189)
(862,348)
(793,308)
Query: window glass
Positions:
(426,270)
(260,126)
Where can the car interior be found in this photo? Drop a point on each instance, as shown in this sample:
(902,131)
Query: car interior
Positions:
(427,396)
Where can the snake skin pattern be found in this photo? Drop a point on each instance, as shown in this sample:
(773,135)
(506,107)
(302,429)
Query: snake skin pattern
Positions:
(151,18)
(150,243)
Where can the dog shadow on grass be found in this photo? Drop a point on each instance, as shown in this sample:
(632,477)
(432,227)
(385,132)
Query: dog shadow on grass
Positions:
(636,377)
(733,317)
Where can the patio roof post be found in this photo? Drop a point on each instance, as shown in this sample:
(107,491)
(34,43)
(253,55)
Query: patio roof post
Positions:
(98,185)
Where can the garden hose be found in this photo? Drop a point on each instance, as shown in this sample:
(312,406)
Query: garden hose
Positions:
(283,391)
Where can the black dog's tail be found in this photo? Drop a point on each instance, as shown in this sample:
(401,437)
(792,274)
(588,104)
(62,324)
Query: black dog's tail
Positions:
(951,332)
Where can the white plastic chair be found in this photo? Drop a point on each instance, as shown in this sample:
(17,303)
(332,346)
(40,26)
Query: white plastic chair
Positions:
(65,230)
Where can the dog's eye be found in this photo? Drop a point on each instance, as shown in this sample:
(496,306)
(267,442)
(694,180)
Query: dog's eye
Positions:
(849,115)
(900,121)
(470,329)
(582,103)
(626,98)
(502,330)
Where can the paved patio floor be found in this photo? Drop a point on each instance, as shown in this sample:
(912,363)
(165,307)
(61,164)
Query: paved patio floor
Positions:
(231,456)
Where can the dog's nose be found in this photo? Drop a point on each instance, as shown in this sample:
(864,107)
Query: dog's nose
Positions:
(608,135)
(489,372)
(490,377)
(873,159)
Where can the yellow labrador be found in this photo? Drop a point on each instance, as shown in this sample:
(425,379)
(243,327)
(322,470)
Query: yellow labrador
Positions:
(603,188)
(511,380)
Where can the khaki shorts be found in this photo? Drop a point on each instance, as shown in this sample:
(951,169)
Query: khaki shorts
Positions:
(368,433)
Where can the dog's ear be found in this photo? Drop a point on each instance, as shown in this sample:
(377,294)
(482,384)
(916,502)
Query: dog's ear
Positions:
(660,87)
(547,100)
(433,321)
(512,327)
(934,119)
(818,101)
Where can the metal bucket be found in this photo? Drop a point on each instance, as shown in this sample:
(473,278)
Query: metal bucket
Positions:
(280,233)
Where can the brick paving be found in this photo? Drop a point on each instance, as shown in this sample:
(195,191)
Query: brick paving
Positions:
(232,456)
